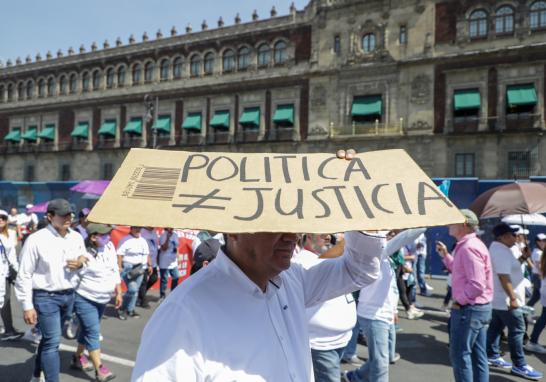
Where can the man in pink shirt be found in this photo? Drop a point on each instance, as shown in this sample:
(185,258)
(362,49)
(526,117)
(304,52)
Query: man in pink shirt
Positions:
(472,285)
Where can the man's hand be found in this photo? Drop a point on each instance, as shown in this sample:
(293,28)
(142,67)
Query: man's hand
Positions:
(30,316)
(77,264)
(150,270)
(514,304)
(346,154)
(119,300)
(441,249)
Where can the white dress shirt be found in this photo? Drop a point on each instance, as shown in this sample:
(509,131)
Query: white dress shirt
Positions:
(220,326)
(134,250)
(43,263)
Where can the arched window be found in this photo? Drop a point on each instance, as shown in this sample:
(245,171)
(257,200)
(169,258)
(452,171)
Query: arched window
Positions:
(504,20)
(478,24)
(50,87)
(110,78)
(73,83)
(228,61)
(538,15)
(85,82)
(177,67)
(243,59)
(10,92)
(264,55)
(164,70)
(96,80)
(30,89)
(280,52)
(195,66)
(41,88)
(121,76)
(20,91)
(63,85)
(208,63)
(149,72)
(368,42)
(137,74)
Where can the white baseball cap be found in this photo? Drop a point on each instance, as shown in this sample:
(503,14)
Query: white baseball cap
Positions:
(541,236)
(3,213)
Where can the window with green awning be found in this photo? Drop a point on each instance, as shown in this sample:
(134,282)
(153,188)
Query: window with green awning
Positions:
(47,133)
(521,95)
(250,117)
(81,130)
(284,115)
(134,126)
(467,99)
(367,106)
(220,119)
(163,124)
(14,135)
(193,121)
(31,135)
(108,128)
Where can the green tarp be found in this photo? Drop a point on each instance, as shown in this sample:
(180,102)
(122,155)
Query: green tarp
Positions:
(250,117)
(14,135)
(134,126)
(163,125)
(284,114)
(47,133)
(192,121)
(521,95)
(81,130)
(108,128)
(467,99)
(31,134)
(368,105)
(220,119)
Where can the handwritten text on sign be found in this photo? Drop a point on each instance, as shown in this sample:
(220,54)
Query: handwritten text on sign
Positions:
(229,192)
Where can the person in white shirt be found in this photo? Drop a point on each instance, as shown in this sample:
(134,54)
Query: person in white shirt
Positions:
(149,279)
(99,279)
(8,272)
(168,261)
(133,261)
(536,279)
(377,307)
(508,298)
(243,317)
(331,322)
(82,222)
(28,222)
(46,280)
(540,324)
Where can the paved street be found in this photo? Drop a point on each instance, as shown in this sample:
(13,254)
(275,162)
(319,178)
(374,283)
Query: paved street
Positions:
(422,345)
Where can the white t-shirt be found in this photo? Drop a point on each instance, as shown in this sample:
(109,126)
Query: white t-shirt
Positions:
(134,250)
(504,262)
(153,244)
(99,277)
(330,323)
(378,301)
(536,255)
(168,259)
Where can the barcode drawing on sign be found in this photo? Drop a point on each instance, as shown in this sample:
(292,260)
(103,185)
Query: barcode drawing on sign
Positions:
(157,183)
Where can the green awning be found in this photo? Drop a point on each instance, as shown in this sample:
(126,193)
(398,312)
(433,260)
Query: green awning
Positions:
(192,121)
(134,126)
(47,133)
(467,99)
(14,135)
(521,95)
(368,105)
(108,128)
(250,116)
(284,114)
(31,134)
(163,125)
(81,130)
(220,119)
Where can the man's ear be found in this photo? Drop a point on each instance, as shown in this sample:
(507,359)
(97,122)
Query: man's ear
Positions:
(205,263)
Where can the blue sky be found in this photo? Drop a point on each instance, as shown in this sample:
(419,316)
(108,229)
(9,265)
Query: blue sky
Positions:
(32,26)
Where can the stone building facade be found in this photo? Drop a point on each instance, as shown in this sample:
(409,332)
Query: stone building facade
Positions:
(459,84)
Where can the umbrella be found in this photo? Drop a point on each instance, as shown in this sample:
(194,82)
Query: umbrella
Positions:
(40,208)
(514,198)
(525,219)
(95,187)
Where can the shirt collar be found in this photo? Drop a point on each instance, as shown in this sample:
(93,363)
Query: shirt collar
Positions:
(227,266)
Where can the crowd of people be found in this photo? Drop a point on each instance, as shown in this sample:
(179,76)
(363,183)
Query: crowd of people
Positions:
(341,289)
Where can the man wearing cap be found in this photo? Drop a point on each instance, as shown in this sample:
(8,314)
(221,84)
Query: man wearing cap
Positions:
(472,286)
(204,254)
(46,280)
(508,298)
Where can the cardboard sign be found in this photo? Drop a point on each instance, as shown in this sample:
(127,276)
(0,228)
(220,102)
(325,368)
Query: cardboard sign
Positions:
(237,193)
